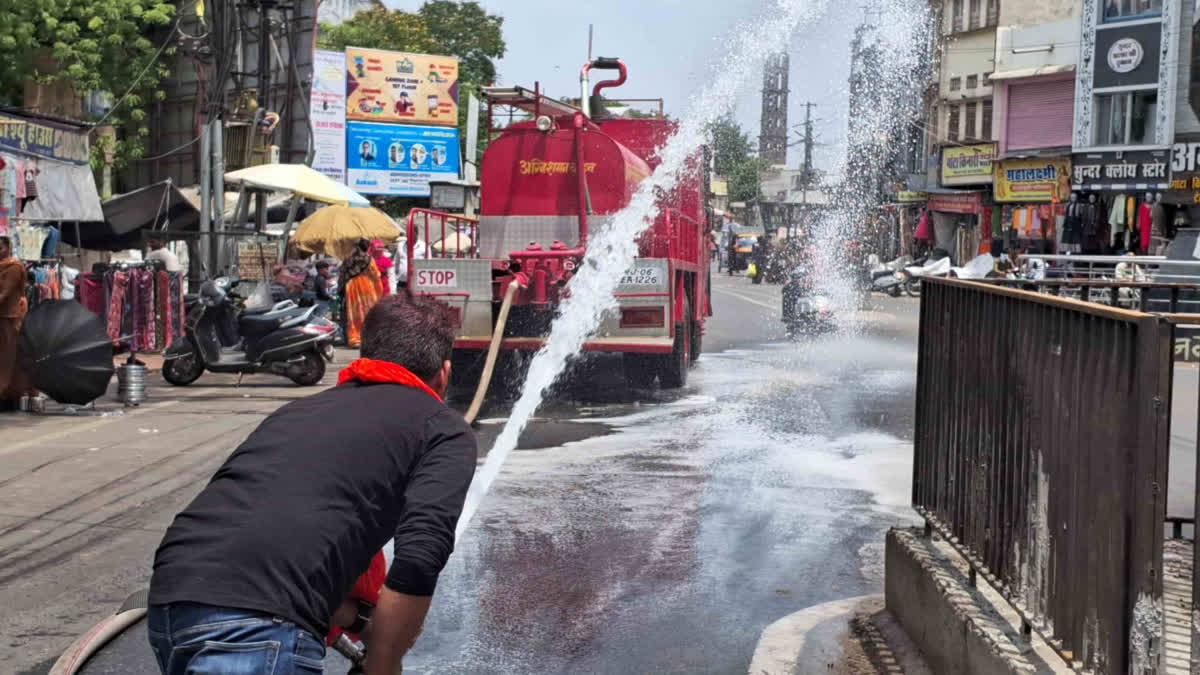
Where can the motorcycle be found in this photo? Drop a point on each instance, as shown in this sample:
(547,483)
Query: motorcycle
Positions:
(282,338)
(804,310)
(886,277)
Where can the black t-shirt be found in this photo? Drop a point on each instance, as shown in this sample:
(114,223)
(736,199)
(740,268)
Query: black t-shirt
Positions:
(295,514)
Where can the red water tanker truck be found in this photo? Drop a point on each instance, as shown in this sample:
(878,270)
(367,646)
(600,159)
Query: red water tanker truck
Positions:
(546,183)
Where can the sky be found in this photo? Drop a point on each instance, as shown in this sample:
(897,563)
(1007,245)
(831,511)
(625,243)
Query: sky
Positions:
(670,48)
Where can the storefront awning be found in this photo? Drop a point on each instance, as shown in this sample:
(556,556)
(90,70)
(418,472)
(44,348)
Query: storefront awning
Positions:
(1020,73)
(66,193)
(955,201)
(160,206)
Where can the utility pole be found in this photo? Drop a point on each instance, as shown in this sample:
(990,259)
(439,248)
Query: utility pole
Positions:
(809,142)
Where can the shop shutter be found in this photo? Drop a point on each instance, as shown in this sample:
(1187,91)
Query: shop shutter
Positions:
(1040,114)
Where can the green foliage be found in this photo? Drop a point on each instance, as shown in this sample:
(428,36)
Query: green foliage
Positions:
(379,28)
(90,45)
(465,30)
(744,182)
(731,147)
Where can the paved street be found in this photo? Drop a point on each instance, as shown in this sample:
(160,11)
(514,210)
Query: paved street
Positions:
(658,533)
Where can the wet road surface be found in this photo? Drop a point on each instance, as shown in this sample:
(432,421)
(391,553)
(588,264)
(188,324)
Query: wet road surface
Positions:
(669,543)
(633,532)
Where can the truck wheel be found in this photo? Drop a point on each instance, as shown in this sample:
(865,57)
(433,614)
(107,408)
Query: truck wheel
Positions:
(639,371)
(697,340)
(673,367)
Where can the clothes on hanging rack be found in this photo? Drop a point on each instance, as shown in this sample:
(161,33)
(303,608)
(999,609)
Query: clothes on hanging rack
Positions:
(139,302)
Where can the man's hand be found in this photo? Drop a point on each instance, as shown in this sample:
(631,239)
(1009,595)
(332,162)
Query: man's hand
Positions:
(394,628)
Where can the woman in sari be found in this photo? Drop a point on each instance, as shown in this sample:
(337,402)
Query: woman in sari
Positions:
(361,290)
(383,264)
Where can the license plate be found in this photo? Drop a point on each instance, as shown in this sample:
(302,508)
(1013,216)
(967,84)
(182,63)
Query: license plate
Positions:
(437,278)
(642,276)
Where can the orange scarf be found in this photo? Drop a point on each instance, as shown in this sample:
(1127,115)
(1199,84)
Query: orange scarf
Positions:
(370,370)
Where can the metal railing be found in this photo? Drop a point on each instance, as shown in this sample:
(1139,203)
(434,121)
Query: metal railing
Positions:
(1040,454)
(453,231)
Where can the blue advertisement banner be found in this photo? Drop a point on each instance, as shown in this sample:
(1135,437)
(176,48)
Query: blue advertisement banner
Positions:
(399,159)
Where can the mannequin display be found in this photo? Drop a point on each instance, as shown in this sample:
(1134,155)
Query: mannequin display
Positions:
(1072,233)
(1158,226)
(1092,222)
(1144,220)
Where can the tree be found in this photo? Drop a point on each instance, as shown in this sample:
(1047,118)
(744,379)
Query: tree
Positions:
(111,46)
(465,30)
(731,146)
(744,181)
(379,28)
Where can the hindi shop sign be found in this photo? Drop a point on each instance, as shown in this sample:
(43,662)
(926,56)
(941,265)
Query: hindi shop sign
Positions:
(63,142)
(1133,170)
(399,159)
(327,110)
(401,88)
(1125,55)
(1185,173)
(1033,180)
(968,164)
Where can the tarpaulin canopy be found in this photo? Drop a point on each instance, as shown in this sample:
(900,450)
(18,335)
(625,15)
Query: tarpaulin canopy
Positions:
(297,179)
(66,193)
(160,206)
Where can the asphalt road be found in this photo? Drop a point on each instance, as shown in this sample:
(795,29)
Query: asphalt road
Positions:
(632,532)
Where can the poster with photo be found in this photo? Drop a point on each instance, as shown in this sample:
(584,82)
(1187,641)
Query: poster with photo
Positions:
(399,159)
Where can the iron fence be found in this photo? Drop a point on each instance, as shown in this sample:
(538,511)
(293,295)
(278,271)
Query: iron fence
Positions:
(1041,448)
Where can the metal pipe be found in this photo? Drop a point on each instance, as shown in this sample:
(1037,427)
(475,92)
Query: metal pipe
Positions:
(581,177)
(583,89)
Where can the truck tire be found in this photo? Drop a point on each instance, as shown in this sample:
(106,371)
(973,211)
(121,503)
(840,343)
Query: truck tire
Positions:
(673,367)
(639,371)
(697,340)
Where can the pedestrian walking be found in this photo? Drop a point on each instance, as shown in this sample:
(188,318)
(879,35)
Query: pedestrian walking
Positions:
(13,305)
(383,263)
(264,561)
(361,290)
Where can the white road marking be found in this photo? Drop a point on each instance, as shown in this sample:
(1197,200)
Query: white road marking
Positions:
(780,645)
(739,296)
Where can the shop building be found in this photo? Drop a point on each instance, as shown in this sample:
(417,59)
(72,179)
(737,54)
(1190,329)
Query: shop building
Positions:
(1037,50)
(1183,197)
(1125,110)
(961,210)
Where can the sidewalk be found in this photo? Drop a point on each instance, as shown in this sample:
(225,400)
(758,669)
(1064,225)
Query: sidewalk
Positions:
(84,498)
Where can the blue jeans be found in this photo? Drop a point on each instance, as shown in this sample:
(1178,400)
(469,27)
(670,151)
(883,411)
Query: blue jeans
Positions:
(194,639)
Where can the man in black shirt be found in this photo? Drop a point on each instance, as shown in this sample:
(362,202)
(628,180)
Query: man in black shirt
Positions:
(252,574)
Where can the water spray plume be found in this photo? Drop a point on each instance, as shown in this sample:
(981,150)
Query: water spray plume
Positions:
(612,250)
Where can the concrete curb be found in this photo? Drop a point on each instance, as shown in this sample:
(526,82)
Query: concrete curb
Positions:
(958,629)
(781,644)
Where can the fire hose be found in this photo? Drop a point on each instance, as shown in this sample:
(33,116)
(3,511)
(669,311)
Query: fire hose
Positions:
(493,351)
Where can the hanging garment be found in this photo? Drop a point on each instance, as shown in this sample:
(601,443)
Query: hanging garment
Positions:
(1144,225)
(89,291)
(1116,219)
(50,244)
(116,304)
(162,298)
(924,229)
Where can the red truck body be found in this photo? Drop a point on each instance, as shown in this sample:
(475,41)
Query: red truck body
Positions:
(546,185)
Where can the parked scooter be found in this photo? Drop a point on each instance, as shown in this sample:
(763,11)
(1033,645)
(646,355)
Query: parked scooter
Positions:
(282,339)
(936,264)
(884,277)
